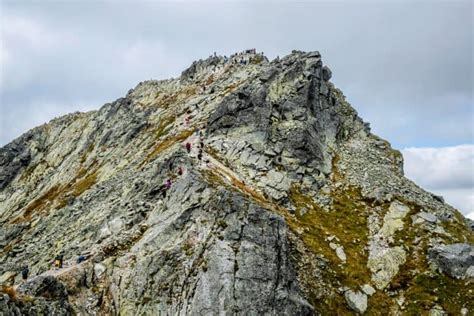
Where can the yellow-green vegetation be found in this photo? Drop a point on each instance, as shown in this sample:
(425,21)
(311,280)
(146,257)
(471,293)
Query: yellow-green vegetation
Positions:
(255,60)
(84,184)
(42,202)
(86,153)
(426,290)
(56,196)
(347,220)
(458,231)
(422,288)
(166,100)
(188,247)
(165,126)
(167,143)
(335,174)
(395,155)
(230,88)
(30,170)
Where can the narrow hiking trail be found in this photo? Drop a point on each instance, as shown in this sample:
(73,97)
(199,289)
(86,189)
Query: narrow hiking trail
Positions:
(232,178)
(51,272)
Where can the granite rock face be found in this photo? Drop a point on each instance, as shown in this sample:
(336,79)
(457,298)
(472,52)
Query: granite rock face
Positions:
(283,202)
(457,260)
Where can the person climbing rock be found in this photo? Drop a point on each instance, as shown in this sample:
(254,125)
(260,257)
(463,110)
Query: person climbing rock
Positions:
(24,273)
(180,171)
(168,184)
(188,147)
(186,120)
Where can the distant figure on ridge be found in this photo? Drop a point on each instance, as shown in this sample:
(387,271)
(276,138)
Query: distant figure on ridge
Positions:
(58,261)
(24,273)
(188,147)
(80,259)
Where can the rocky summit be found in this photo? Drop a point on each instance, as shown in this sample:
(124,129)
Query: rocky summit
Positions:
(243,187)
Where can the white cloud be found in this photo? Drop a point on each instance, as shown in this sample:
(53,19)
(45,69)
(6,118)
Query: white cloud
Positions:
(24,41)
(447,171)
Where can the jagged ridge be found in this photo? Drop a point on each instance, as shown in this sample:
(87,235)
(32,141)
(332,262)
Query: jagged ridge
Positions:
(293,208)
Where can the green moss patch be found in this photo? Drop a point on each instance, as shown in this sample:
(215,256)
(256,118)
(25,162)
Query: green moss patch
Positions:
(56,196)
(347,220)
(167,143)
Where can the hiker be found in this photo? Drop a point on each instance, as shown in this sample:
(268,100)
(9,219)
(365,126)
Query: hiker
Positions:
(80,259)
(168,184)
(58,261)
(24,273)
(187,120)
(188,147)
(180,171)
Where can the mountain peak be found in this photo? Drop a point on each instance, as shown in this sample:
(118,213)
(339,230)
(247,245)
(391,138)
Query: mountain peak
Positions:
(244,186)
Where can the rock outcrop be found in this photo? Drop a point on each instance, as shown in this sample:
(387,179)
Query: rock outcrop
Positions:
(283,202)
(457,260)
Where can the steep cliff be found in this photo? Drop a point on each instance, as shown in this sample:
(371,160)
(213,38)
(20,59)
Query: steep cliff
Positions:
(284,204)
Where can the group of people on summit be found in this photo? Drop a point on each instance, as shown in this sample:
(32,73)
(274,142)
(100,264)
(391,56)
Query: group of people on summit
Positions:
(243,60)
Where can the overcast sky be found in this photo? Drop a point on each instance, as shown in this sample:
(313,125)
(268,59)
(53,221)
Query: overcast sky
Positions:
(406,66)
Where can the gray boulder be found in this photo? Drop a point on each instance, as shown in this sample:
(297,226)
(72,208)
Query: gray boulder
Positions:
(454,260)
(357,301)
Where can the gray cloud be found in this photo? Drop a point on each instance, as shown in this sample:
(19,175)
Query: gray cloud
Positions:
(405,66)
(448,171)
